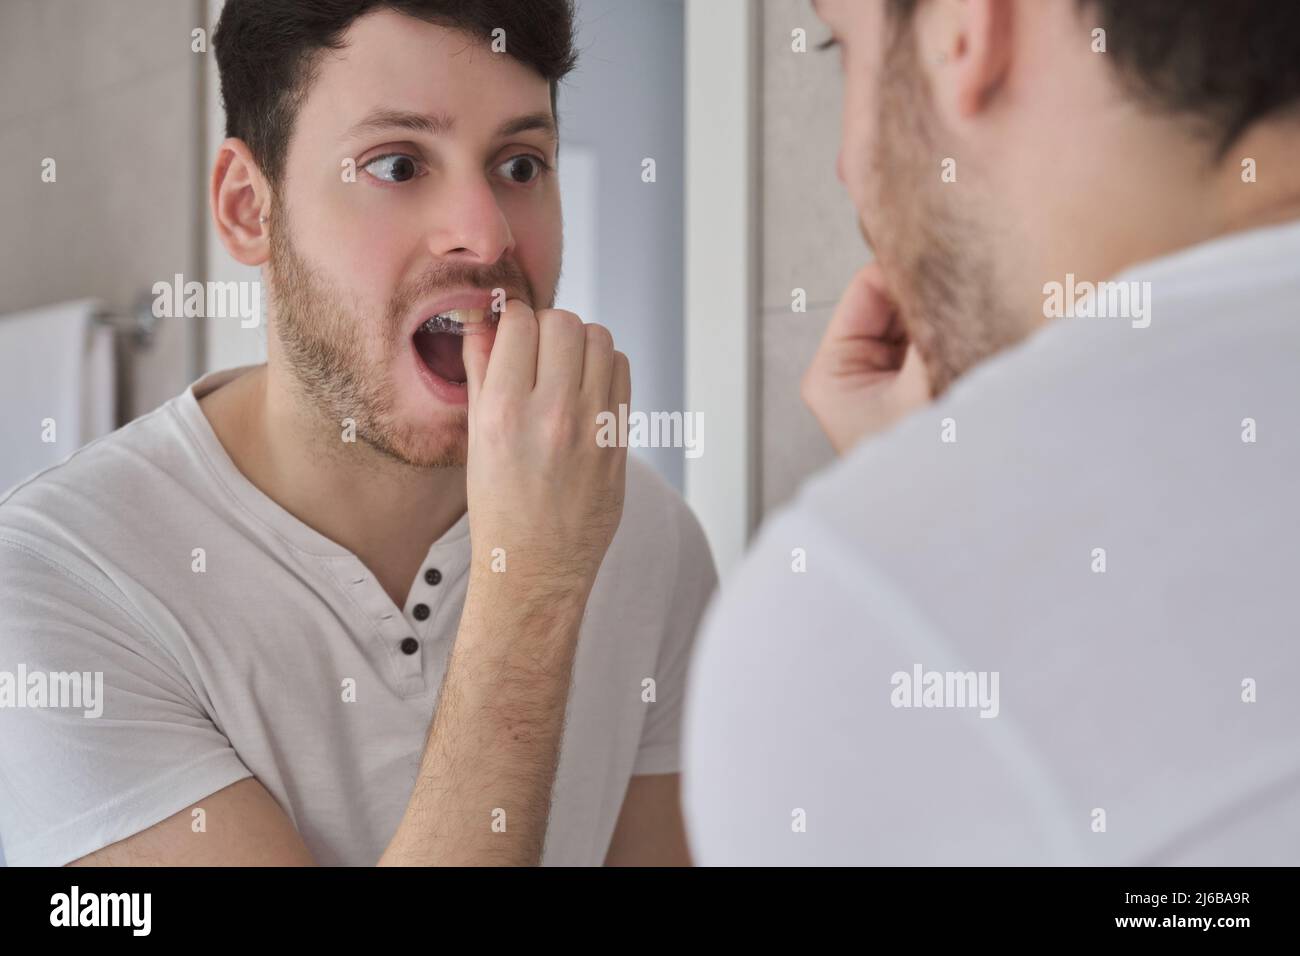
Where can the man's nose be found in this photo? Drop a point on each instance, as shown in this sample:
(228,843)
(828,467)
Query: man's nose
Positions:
(469,223)
(839,167)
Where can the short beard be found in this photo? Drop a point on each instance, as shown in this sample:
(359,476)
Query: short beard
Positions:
(931,241)
(325,355)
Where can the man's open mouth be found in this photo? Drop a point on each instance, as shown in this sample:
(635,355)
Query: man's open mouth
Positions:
(439,341)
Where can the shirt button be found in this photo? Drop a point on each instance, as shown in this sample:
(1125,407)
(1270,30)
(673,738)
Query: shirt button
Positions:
(421,611)
(432,576)
(410,645)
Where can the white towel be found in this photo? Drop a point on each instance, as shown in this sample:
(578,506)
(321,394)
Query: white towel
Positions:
(57,382)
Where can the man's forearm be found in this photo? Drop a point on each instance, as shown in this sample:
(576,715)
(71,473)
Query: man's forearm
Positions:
(483,791)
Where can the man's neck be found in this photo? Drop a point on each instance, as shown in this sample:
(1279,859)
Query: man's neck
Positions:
(386,513)
(1106,220)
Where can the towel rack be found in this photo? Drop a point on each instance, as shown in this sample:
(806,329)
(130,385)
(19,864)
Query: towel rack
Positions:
(136,328)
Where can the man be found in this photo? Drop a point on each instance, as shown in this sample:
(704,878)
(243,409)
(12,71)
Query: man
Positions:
(1042,611)
(344,602)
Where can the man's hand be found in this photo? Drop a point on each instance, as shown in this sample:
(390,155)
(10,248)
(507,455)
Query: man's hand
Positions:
(539,487)
(866,374)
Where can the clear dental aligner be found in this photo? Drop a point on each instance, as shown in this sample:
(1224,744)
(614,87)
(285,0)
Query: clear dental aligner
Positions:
(462,322)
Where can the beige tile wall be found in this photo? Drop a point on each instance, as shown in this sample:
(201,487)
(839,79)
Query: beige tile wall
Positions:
(112,92)
(809,237)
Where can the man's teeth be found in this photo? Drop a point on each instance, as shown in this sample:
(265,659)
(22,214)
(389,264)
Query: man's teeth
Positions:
(454,320)
(463,316)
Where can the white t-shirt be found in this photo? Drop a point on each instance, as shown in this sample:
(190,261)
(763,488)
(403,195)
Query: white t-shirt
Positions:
(1146,713)
(244,659)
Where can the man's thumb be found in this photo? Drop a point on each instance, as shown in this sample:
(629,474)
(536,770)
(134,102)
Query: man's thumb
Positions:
(865,310)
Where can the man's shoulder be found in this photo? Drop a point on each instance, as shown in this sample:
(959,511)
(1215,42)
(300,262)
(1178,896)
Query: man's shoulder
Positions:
(1011,443)
(947,463)
(938,494)
(1083,427)
(100,495)
(654,512)
(659,538)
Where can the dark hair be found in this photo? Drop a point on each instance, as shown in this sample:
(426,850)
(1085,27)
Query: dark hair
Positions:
(1226,64)
(267,51)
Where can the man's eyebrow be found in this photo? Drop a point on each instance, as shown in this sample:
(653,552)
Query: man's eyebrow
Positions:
(435,124)
(440,124)
(524,124)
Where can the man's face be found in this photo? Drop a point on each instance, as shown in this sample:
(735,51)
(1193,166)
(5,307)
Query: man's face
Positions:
(931,238)
(442,211)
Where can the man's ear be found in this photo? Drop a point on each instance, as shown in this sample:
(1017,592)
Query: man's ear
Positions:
(240,198)
(966,48)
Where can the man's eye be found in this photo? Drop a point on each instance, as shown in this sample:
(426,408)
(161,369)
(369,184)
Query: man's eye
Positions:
(522,169)
(397,168)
